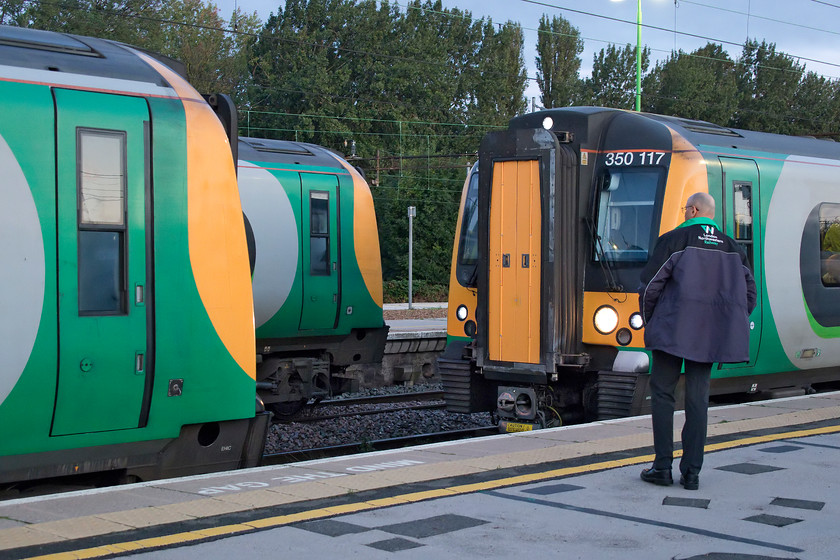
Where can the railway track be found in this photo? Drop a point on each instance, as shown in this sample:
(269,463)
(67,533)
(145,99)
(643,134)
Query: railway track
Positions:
(324,417)
(386,399)
(378,445)
(362,445)
(366,406)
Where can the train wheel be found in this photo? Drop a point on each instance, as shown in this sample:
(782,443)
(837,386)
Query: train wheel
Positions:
(287,411)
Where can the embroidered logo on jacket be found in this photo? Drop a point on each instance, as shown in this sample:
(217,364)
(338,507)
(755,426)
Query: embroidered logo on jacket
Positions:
(709,236)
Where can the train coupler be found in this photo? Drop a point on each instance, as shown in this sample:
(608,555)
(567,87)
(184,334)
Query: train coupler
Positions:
(517,409)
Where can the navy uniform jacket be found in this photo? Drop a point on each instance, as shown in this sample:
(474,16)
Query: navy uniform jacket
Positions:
(696,294)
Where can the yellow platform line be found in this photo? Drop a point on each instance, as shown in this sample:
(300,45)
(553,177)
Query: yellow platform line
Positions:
(144,545)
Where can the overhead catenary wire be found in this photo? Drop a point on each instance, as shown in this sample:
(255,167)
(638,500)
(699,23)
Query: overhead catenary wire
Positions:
(391,121)
(450,14)
(733,62)
(416,60)
(825,3)
(683,33)
(753,15)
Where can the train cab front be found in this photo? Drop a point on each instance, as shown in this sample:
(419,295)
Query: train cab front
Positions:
(556,223)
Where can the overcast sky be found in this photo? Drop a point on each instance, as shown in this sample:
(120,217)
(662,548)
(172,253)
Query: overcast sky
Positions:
(805,29)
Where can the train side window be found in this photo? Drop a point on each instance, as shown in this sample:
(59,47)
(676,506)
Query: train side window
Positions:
(742,195)
(101,216)
(468,242)
(830,244)
(319,233)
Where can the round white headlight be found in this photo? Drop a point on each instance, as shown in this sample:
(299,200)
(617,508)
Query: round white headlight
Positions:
(636,321)
(606,319)
(548,122)
(461,312)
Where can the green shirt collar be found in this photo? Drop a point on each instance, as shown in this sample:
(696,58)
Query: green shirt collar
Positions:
(700,220)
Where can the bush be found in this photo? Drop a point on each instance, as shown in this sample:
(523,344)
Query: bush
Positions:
(396,291)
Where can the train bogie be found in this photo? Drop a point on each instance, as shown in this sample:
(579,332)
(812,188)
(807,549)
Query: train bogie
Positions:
(562,212)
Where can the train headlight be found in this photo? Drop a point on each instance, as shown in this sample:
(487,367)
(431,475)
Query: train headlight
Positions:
(548,122)
(606,319)
(636,321)
(461,312)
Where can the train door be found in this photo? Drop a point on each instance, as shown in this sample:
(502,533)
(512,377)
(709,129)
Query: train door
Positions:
(102,167)
(514,258)
(740,216)
(320,251)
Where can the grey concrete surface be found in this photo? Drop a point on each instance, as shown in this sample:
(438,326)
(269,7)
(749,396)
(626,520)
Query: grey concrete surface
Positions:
(789,509)
(768,490)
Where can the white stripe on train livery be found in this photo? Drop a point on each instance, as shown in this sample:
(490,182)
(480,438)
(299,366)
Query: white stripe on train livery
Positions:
(789,209)
(272,218)
(22,272)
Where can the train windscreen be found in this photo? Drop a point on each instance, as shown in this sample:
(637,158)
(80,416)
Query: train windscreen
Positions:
(468,243)
(625,214)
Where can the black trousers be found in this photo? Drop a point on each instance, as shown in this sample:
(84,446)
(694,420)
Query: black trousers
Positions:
(663,381)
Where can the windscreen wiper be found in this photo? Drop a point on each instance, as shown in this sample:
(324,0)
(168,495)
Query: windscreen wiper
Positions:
(606,266)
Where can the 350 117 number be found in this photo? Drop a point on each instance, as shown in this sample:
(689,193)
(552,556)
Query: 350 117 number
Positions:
(629,158)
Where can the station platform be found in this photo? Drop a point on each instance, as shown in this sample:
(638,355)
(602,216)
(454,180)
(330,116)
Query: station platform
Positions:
(768,490)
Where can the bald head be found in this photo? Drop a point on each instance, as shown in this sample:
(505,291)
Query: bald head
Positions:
(703,203)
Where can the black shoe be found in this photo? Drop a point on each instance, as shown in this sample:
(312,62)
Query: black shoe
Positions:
(690,481)
(662,477)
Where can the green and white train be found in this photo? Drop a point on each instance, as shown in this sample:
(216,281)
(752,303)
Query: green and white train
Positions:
(318,300)
(556,223)
(127,316)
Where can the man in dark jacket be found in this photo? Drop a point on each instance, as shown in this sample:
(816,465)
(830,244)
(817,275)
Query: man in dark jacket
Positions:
(696,295)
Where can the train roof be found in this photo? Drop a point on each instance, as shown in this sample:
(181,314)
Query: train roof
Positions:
(585,121)
(287,152)
(62,54)
(704,133)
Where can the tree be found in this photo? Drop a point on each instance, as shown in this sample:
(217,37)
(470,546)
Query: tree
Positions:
(816,105)
(558,62)
(129,21)
(700,85)
(767,84)
(12,12)
(500,82)
(195,33)
(415,90)
(613,80)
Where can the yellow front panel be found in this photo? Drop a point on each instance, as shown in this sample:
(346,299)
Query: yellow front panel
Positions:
(514,260)
(458,294)
(218,249)
(365,234)
(627,304)
(686,176)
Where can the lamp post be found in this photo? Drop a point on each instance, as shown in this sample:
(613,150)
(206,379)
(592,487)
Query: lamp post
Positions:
(638,53)
(412,212)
